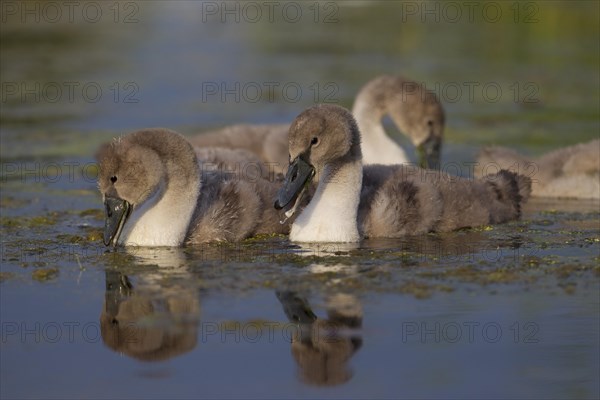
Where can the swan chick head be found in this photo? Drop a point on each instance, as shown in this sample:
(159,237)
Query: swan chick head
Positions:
(414,109)
(324,134)
(320,136)
(133,169)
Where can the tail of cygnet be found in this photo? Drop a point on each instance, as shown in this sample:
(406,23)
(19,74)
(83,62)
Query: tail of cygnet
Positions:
(507,191)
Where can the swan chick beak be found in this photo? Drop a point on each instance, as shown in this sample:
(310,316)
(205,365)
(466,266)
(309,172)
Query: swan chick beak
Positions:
(429,153)
(298,176)
(117,212)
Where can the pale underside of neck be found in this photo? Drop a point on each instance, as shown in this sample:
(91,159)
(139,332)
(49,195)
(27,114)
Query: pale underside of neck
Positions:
(163,219)
(331,216)
(377,146)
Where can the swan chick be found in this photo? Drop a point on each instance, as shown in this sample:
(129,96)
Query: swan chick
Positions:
(568,172)
(352,202)
(156,194)
(415,111)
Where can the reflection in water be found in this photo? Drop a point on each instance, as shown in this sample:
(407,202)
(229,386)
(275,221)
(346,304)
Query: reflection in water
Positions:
(480,244)
(324,249)
(146,323)
(323,346)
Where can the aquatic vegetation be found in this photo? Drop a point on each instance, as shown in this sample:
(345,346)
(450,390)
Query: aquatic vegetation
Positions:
(44,274)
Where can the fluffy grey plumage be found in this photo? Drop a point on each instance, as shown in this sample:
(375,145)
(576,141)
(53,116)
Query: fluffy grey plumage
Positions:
(570,172)
(404,200)
(267,143)
(165,199)
(387,201)
(416,112)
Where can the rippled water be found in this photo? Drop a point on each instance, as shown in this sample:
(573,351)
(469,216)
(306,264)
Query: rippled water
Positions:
(502,311)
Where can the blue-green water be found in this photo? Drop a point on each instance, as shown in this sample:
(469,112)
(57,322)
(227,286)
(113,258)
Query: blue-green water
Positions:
(503,311)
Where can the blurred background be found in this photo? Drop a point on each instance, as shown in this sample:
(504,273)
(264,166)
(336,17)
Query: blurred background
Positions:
(523,74)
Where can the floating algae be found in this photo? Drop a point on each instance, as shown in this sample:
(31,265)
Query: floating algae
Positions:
(44,274)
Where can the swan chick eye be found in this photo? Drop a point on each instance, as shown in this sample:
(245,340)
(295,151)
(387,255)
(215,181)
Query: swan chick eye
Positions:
(314,141)
(113,178)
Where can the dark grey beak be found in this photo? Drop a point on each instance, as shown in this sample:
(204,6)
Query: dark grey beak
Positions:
(295,307)
(429,153)
(298,312)
(118,289)
(117,212)
(298,176)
